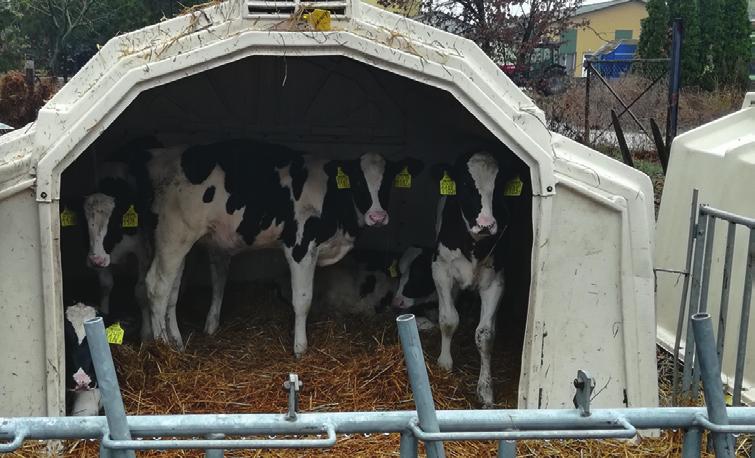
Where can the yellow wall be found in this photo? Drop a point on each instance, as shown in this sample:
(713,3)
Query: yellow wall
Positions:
(411,10)
(603,24)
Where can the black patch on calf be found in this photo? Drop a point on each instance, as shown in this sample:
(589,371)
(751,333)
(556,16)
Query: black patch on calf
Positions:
(208,195)
(77,355)
(368,286)
(124,196)
(420,282)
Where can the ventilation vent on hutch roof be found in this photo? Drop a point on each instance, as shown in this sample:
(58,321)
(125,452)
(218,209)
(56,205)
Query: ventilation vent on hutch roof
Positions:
(285,8)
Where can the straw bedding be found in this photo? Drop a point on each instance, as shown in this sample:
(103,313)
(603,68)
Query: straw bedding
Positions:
(353,364)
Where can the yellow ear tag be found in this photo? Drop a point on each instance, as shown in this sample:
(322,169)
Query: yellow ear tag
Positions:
(447,185)
(393,269)
(319,20)
(513,187)
(403,179)
(728,399)
(342,180)
(130,218)
(67,218)
(114,334)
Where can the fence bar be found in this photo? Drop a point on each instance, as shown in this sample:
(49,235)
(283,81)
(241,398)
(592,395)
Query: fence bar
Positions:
(683,306)
(675,80)
(710,370)
(417,372)
(703,306)
(107,381)
(694,303)
(692,444)
(744,323)
(725,285)
(506,449)
(728,216)
(199,425)
(408,445)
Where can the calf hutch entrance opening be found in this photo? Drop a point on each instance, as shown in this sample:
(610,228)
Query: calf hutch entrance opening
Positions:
(578,271)
(332,107)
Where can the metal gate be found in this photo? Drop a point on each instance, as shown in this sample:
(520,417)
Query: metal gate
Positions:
(120,435)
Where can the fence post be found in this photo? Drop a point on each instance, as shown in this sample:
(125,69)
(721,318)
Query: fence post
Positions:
(744,323)
(692,443)
(694,303)
(107,381)
(506,449)
(408,445)
(710,370)
(588,68)
(420,382)
(675,78)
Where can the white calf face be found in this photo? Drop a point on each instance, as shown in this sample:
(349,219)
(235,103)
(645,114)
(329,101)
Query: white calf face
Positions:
(371,196)
(476,187)
(98,208)
(79,368)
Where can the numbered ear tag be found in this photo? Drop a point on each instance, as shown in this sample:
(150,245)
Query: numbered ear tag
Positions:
(114,334)
(319,19)
(513,187)
(393,269)
(447,185)
(67,218)
(403,179)
(342,180)
(130,218)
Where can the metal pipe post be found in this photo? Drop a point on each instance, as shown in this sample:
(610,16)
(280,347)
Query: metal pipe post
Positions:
(694,303)
(692,443)
(683,305)
(704,282)
(710,370)
(675,80)
(417,372)
(107,381)
(588,69)
(408,445)
(725,286)
(214,452)
(744,323)
(506,449)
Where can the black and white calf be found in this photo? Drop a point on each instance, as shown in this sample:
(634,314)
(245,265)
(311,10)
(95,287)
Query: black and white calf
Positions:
(471,223)
(238,195)
(81,381)
(112,239)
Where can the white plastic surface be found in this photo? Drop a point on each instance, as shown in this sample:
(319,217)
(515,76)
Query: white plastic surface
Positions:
(591,294)
(718,159)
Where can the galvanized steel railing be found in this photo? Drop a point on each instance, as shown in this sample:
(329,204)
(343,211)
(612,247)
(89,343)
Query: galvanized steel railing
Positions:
(120,434)
(703,220)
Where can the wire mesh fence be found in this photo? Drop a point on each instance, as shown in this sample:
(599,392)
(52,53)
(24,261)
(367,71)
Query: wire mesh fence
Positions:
(636,90)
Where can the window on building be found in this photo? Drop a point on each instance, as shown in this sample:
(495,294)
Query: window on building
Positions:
(623,35)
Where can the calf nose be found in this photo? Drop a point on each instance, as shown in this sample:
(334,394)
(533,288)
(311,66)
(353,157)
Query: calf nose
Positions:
(82,380)
(378,217)
(485,221)
(98,261)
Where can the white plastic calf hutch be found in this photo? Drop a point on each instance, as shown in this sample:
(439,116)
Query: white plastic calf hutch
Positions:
(373,81)
(718,159)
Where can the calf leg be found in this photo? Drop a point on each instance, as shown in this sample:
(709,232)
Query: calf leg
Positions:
(160,280)
(105,278)
(140,294)
(302,275)
(171,318)
(219,263)
(490,296)
(448,317)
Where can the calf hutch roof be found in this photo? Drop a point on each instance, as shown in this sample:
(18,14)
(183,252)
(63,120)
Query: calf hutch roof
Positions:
(591,303)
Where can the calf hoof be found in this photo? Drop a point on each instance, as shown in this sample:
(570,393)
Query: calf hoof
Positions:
(446,362)
(299,351)
(485,396)
(211,328)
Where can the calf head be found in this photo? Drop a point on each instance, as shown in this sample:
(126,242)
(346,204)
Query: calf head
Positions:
(104,213)
(370,181)
(416,285)
(80,374)
(476,176)
(98,209)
